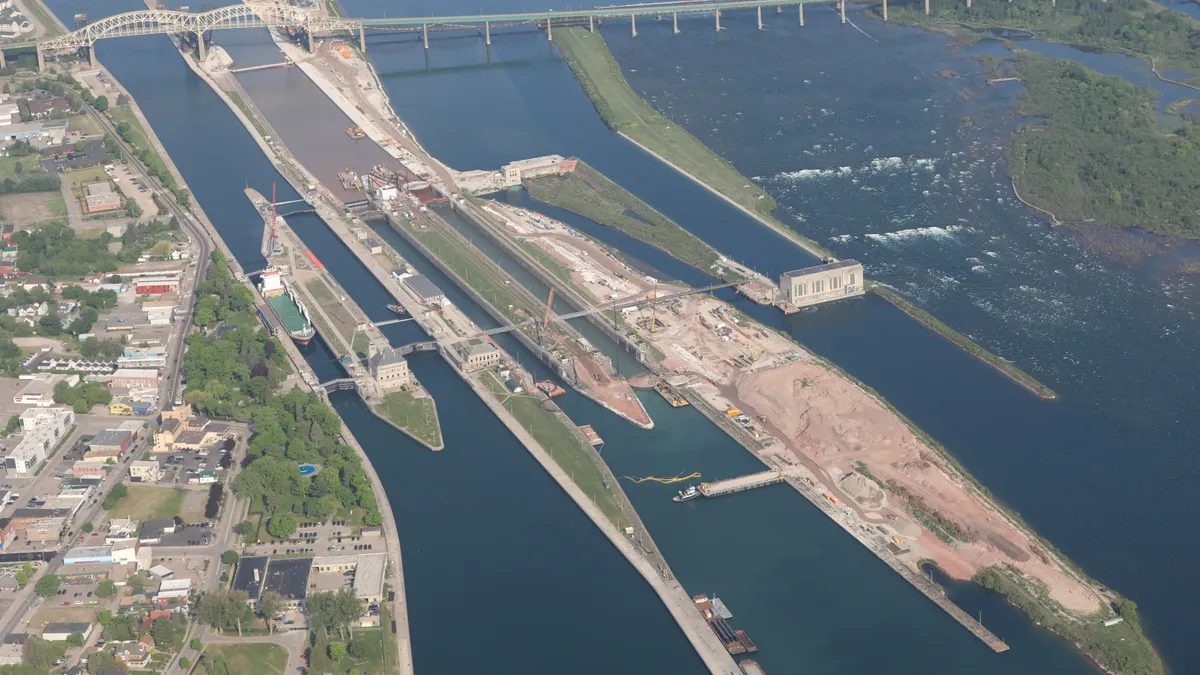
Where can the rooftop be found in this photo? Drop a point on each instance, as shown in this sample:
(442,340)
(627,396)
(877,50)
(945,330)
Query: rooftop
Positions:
(250,574)
(827,267)
(423,287)
(67,627)
(111,437)
(288,577)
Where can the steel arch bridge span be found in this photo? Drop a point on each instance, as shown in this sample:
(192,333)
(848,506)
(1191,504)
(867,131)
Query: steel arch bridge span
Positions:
(155,22)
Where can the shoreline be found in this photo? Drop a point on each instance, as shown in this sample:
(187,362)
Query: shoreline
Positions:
(677,601)
(976,350)
(400,608)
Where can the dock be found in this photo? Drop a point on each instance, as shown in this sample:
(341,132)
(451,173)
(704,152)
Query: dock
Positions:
(741,483)
(592,436)
(668,392)
(735,641)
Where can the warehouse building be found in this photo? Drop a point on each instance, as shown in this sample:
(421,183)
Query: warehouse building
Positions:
(822,283)
(368,570)
(157,285)
(89,555)
(135,378)
(249,576)
(425,290)
(60,631)
(100,198)
(109,443)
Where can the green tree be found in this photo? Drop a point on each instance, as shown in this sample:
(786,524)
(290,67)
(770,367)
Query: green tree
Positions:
(115,495)
(78,146)
(106,589)
(41,653)
(337,651)
(48,585)
(365,649)
(75,639)
(165,633)
(133,208)
(271,605)
(101,103)
(281,526)
(184,662)
(244,529)
(87,527)
(229,557)
(197,644)
(51,324)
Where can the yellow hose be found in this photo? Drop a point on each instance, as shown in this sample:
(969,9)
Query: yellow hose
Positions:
(664,481)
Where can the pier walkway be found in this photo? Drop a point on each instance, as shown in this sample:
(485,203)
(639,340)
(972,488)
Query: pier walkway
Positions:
(741,483)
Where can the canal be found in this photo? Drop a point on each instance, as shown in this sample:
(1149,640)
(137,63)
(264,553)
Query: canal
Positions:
(482,517)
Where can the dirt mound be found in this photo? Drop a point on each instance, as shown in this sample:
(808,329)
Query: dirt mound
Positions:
(862,490)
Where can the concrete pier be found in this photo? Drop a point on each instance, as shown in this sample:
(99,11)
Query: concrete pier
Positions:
(842,7)
(741,483)
(633,24)
(718,19)
(800,9)
(675,22)
(760,24)
(487,33)
(885,10)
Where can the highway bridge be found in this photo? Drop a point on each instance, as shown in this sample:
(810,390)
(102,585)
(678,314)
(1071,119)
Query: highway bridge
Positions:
(305,24)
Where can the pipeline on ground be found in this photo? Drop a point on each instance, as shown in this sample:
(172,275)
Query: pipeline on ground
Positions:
(664,481)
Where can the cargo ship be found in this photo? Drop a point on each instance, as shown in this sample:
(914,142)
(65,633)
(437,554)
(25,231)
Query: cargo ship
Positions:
(550,388)
(286,305)
(356,133)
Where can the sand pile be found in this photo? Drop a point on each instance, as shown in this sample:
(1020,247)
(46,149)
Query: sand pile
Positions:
(862,490)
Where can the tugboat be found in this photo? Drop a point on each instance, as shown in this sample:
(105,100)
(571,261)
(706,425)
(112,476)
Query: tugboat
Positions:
(398,309)
(686,495)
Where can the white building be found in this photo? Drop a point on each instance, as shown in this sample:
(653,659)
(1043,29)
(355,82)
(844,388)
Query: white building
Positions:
(146,471)
(822,283)
(44,429)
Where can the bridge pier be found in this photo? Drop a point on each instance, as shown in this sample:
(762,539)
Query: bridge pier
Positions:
(968,4)
(308,39)
(425,34)
(549,30)
(487,33)
(41,59)
(362,38)
(633,24)
(592,23)
(675,22)
(718,15)
(200,46)
(926,7)
(802,13)
(885,11)
(842,5)
(3,63)
(760,18)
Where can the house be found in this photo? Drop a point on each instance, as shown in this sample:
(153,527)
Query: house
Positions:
(135,378)
(60,631)
(120,408)
(172,590)
(120,528)
(41,108)
(124,551)
(88,469)
(132,654)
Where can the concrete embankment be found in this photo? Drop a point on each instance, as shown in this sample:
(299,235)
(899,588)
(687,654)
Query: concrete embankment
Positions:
(565,290)
(396,581)
(865,534)
(672,594)
(542,351)
(677,600)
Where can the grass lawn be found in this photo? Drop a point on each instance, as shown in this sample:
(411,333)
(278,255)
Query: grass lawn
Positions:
(8,166)
(43,18)
(80,177)
(251,658)
(623,110)
(123,113)
(568,452)
(149,503)
(84,124)
(27,208)
(365,666)
(242,105)
(415,415)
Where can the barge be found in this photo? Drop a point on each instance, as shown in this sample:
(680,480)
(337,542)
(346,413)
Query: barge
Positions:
(289,310)
(715,613)
(668,392)
(550,388)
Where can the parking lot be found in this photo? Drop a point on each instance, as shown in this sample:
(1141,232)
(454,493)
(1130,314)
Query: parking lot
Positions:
(181,466)
(334,538)
(131,187)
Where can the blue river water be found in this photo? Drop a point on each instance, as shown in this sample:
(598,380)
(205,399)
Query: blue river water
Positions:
(496,555)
